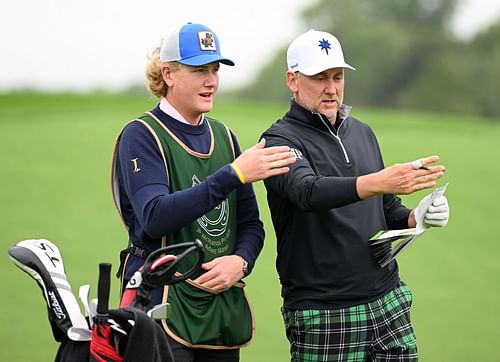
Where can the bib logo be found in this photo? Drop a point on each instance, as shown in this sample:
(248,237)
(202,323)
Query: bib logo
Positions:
(214,222)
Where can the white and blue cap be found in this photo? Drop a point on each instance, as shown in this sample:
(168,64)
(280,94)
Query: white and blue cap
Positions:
(315,51)
(192,44)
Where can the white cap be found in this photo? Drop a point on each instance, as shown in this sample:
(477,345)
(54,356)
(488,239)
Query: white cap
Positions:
(315,51)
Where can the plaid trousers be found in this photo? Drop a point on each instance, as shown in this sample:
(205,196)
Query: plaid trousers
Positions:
(377,331)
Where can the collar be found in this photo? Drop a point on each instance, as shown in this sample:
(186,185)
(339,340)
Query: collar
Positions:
(169,109)
(342,114)
(344,111)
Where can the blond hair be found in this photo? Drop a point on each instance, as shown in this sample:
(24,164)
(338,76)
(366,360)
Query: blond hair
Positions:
(156,83)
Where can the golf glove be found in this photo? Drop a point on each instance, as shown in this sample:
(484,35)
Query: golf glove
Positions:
(429,214)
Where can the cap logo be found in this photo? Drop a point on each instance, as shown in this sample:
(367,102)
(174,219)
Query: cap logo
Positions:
(324,45)
(207,41)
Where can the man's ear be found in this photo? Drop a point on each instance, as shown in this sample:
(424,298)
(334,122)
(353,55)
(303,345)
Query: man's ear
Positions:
(166,73)
(291,81)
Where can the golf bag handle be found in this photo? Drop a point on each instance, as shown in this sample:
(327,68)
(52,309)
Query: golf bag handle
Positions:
(164,273)
(103,287)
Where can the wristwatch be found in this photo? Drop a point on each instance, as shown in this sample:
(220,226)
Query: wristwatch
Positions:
(245,266)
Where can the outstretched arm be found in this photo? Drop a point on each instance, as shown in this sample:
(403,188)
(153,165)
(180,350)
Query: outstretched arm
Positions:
(400,179)
(310,191)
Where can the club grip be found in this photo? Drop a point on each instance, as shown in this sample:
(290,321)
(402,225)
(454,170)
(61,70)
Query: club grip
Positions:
(103,287)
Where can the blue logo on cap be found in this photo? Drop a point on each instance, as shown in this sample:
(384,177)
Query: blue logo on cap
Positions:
(324,45)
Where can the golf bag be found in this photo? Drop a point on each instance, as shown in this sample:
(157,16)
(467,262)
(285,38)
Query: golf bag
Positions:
(129,333)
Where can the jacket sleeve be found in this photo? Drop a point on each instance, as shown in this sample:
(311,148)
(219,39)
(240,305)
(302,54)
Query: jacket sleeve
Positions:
(307,190)
(396,214)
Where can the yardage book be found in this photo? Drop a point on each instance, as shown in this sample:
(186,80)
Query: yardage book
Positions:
(387,244)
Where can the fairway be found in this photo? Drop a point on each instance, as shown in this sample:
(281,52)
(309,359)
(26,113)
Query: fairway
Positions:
(56,153)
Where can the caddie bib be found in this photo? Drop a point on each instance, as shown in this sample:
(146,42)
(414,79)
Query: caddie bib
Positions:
(202,317)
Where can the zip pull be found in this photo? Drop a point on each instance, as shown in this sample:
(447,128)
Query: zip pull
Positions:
(346,156)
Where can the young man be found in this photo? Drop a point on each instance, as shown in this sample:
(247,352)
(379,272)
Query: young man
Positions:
(178,176)
(339,304)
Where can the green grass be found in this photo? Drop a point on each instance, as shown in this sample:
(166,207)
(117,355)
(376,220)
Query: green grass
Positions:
(56,152)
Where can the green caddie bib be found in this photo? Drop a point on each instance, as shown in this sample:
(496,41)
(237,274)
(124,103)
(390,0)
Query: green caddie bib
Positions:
(202,317)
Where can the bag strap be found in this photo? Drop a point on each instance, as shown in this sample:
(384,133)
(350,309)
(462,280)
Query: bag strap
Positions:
(131,250)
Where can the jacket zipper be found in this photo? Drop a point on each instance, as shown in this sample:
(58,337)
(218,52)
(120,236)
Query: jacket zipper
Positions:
(336,137)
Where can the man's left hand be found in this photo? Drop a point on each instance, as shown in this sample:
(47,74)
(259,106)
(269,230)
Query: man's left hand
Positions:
(437,214)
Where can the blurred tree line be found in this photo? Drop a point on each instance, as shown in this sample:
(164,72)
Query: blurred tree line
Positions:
(405,56)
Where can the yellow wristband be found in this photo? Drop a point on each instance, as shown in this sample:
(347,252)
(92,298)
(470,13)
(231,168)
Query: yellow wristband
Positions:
(238,172)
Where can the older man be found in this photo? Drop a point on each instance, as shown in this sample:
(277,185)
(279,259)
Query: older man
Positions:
(339,304)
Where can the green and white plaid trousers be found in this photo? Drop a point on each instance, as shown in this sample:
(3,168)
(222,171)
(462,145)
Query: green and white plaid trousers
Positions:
(377,331)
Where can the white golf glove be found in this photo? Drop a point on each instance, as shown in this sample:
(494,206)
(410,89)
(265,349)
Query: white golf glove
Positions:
(435,214)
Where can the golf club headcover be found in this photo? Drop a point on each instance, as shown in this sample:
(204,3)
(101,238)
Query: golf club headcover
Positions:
(42,260)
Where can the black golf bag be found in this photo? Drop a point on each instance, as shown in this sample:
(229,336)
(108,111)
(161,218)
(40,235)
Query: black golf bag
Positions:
(129,333)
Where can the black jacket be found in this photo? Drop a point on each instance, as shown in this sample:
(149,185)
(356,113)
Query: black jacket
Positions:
(322,227)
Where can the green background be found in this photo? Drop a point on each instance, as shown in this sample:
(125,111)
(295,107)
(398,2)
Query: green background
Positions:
(55,159)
